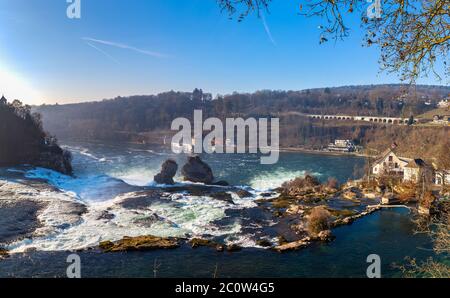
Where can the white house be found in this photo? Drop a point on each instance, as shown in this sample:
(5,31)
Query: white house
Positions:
(342,146)
(415,169)
(408,169)
(389,163)
(441,177)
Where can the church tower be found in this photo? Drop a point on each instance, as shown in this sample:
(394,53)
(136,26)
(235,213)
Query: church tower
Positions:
(3,100)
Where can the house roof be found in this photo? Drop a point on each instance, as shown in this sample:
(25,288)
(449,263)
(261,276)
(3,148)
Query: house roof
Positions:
(383,155)
(416,163)
(389,151)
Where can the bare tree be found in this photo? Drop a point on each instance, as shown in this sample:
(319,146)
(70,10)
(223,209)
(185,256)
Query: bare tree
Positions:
(243,7)
(443,161)
(413,35)
(439,231)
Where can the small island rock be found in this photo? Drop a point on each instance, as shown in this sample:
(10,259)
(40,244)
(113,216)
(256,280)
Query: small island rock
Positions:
(195,170)
(168,171)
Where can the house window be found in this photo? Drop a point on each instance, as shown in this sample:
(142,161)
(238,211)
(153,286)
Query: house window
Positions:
(391,158)
(396,165)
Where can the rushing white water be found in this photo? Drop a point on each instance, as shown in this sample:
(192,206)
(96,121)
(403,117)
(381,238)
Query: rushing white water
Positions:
(91,187)
(85,152)
(193,217)
(107,176)
(139,176)
(266,181)
(176,215)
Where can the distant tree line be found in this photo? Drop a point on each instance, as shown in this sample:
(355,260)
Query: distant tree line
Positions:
(156,112)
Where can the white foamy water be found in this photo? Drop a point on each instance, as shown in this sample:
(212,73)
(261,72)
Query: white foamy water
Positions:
(179,216)
(268,181)
(59,208)
(85,152)
(138,176)
(87,188)
(243,202)
(174,215)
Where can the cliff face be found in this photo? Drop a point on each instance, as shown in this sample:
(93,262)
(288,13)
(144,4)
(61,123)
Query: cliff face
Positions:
(23,141)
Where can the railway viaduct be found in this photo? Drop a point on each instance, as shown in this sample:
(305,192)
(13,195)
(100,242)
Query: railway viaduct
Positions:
(376,119)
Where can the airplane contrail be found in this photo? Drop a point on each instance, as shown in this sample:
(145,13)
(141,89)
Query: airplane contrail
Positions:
(266,27)
(125,46)
(103,52)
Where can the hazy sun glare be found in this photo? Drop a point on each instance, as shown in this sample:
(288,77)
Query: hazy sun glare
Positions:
(13,86)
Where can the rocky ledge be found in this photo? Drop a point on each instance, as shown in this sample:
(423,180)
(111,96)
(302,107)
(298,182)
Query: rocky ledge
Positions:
(294,245)
(3,253)
(349,219)
(55,158)
(199,242)
(140,243)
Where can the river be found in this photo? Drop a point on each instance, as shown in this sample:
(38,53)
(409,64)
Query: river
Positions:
(107,173)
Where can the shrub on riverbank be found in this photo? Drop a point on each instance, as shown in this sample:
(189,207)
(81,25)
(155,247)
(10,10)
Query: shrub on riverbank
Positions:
(427,200)
(405,191)
(332,183)
(318,220)
(299,183)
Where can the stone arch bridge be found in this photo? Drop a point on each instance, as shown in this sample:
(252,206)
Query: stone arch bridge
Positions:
(375,119)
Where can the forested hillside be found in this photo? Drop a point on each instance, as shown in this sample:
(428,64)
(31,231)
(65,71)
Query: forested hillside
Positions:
(23,140)
(148,118)
(155,112)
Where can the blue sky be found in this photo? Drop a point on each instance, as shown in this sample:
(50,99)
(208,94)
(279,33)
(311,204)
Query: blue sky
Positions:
(123,47)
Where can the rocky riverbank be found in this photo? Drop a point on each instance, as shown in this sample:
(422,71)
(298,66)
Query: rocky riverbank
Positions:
(33,211)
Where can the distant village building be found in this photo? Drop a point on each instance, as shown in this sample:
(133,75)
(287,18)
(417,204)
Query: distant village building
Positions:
(342,146)
(3,100)
(443,104)
(441,120)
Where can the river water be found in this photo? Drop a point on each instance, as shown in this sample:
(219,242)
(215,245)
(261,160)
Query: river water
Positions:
(106,174)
